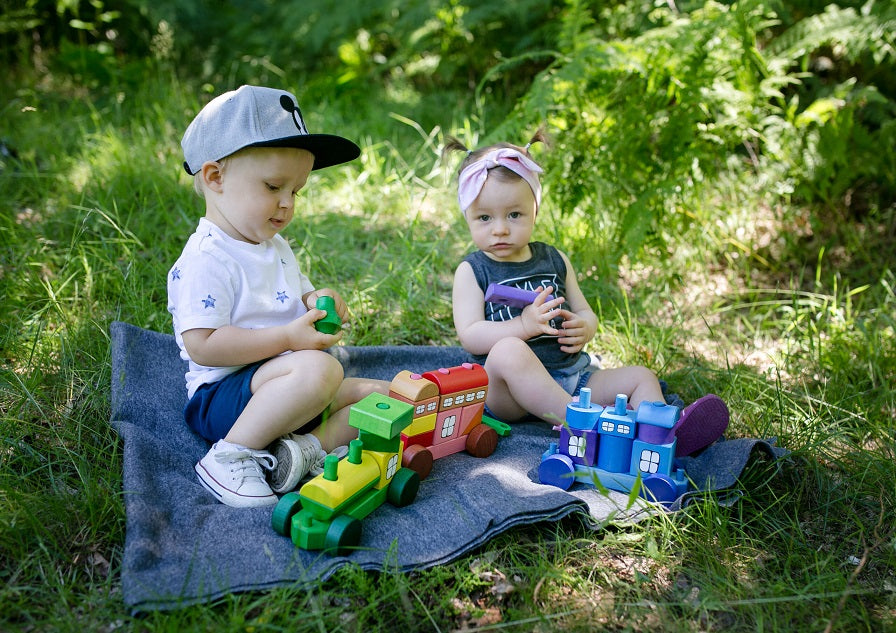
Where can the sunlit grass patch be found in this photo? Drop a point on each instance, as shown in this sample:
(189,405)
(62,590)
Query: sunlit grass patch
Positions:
(738,294)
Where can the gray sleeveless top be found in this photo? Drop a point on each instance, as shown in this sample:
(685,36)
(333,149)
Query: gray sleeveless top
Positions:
(545,268)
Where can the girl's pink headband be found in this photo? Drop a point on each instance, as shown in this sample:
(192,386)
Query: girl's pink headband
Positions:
(474,175)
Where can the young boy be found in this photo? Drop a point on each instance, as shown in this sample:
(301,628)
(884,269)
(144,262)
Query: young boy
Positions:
(259,379)
(533,355)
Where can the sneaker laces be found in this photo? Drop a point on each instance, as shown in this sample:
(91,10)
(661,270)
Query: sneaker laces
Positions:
(248,462)
(311,452)
(318,467)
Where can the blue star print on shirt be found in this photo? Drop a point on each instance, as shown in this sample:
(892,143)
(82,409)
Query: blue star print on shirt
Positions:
(208,302)
(175,274)
(282,297)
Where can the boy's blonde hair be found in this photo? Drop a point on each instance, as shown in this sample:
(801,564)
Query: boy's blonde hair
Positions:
(198,187)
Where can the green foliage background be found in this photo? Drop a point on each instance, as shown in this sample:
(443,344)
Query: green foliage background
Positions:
(798,95)
(723,174)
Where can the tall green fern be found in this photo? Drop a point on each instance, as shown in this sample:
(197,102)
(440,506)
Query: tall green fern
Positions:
(842,124)
(869,31)
(641,122)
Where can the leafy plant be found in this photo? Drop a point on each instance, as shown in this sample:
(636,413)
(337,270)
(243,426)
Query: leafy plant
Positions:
(843,115)
(629,169)
(88,35)
(645,120)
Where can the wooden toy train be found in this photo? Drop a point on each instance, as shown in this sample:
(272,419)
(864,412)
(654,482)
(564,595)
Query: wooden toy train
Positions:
(448,407)
(425,417)
(326,512)
(616,447)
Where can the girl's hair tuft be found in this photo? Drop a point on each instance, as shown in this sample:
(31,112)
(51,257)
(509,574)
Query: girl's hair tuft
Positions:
(454,144)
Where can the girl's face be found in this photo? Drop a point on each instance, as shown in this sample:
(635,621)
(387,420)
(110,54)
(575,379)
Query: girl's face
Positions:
(502,219)
(251,195)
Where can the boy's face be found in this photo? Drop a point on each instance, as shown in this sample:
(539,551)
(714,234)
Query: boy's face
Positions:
(251,196)
(502,219)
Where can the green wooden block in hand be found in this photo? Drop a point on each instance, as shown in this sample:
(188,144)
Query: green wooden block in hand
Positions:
(331,323)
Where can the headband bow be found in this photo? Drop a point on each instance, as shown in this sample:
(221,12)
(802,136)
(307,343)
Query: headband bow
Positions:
(474,175)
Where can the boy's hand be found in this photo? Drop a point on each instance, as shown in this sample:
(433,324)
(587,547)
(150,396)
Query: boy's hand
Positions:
(341,308)
(574,333)
(303,335)
(536,317)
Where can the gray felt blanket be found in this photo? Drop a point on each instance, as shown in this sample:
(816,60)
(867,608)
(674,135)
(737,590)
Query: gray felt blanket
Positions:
(183,547)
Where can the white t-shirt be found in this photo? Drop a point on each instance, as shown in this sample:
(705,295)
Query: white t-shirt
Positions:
(220,281)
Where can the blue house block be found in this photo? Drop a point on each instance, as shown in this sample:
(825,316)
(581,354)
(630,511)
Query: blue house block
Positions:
(618,420)
(652,459)
(655,422)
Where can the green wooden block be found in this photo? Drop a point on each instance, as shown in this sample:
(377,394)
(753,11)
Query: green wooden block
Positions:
(381,415)
(331,323)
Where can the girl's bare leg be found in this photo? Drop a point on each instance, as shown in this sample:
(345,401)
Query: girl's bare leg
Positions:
(638,383)
(519,384)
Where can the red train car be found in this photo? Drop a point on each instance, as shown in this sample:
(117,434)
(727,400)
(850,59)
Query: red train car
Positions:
(448,406)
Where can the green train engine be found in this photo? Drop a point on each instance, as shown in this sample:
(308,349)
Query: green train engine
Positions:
(326,512)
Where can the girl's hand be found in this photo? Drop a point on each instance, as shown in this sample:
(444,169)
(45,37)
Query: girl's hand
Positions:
(536,317)
(574,333)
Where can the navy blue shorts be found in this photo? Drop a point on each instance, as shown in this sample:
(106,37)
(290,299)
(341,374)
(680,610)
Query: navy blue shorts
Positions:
(214,408)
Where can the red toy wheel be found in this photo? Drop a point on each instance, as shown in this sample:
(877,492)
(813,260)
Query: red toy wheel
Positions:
(482,441)
(418,459)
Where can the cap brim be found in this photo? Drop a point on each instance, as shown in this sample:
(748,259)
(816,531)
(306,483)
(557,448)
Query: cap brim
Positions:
(328,149)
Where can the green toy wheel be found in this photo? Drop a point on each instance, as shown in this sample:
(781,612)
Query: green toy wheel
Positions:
(343,534)
(281,518)
(403,487)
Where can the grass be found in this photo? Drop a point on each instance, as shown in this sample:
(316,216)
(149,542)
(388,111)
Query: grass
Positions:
(792,326)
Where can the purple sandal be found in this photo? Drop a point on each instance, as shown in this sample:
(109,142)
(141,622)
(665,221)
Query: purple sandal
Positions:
(701,423)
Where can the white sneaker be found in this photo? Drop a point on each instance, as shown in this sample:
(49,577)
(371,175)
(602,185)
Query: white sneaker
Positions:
(318,467)
(297,456)
(233,474)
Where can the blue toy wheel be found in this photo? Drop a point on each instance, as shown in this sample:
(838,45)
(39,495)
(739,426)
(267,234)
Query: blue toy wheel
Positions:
(659,488)
(557,470)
